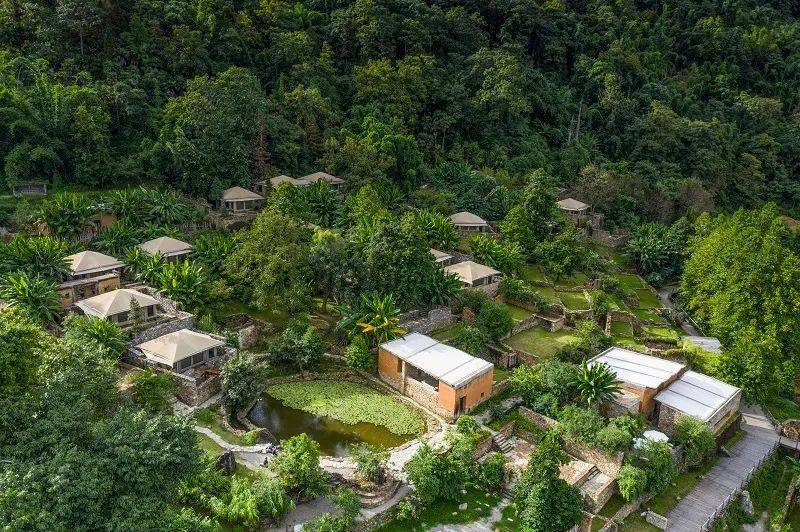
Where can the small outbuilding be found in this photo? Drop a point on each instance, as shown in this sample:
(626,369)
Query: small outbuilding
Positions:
(573,209)
(180,350)
(238,199)
(436,375)
(471,274)
(466,222)
(29,188)
(115,306)
(310,179)
(167,247)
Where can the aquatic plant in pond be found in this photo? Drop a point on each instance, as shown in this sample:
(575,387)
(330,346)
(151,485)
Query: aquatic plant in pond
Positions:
(349,403)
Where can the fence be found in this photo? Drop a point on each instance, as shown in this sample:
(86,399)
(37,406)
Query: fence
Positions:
(720,511)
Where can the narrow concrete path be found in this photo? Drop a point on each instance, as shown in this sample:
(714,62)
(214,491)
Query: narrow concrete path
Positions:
(665,296)
(728,474)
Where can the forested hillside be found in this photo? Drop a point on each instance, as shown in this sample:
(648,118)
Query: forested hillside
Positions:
(650,108)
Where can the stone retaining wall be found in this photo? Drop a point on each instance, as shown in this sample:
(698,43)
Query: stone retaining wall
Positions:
(609,464)
(183,320)
(438,318)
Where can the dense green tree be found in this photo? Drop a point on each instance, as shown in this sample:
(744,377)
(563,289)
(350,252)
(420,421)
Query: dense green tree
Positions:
(43,256)
(297,465)
(22,346)
(209,132)
(299,346)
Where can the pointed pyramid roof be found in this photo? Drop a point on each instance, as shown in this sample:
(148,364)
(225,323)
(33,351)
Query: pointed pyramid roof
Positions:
(239,193)
(176,346)
(114,302)
(469,271)
(166,246)
(467,218)
(91,262)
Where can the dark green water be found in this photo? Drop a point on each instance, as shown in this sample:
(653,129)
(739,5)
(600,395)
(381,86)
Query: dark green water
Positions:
(333,436)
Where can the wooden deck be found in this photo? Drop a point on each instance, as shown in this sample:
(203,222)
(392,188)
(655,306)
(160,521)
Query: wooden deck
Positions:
(727,476)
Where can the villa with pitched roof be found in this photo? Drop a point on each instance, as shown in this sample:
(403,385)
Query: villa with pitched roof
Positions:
(115,306)
(273,183)
(183,349)
(238,199)
(167,247)
(468,223)
(473,275)
(90,274)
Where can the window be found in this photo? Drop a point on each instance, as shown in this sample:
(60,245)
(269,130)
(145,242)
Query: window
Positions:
(212,353)
(399,365)
(122,317)
(184,364)
(151,310)
(197,359)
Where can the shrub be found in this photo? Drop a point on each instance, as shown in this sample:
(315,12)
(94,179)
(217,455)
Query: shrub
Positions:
(519,290)
(370,461)
(580,423)
(495,319)
(699,443)
(470,339)
(467,425)
(612,438)
(247,504)
(242,376)
(297,465)
(545,388)
(471,298)
(438,477)
(656,460)
(250,437)
(491,471)
(632,482)
(299,346)
(151,390)
(358,354)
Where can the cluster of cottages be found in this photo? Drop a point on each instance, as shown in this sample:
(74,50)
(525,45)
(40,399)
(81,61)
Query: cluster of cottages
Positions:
(164,338)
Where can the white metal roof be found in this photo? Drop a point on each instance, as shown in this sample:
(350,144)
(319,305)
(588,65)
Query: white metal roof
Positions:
(698,395)
(166,246)
(638,369)
(469,271)
(114,302)
(467,218)
(571,204)
(240,194)
(91,262)
(441,361)
(176,346)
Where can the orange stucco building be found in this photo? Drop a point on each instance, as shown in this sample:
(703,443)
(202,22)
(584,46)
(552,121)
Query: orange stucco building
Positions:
(440,377)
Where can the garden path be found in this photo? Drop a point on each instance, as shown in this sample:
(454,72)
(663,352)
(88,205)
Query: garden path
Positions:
(728,474)
(665,295)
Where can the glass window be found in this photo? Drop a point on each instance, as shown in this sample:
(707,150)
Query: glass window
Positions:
(122,317)
(185,363)
(197,359)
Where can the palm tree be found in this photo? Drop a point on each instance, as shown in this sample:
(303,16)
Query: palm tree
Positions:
(184,282)
(35,295)
(67,215)
(381,319)
(42,256)
(597,383)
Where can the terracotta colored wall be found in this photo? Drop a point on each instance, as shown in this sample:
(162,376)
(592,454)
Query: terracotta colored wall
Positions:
(387,367)
(449,397)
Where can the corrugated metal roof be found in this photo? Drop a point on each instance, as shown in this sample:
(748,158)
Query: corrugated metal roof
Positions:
(698,395)
(441,361)
(637,368)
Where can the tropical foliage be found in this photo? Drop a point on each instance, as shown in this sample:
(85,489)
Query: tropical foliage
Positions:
(597,384)
(32,294)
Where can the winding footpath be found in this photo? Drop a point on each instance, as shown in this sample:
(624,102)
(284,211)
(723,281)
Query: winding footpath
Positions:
(728,475)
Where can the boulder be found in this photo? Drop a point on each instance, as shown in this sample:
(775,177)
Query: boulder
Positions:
(226,463)
(747,503)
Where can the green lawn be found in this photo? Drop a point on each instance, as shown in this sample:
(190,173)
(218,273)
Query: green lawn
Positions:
(533,274)
(574,300)
(540,342)
(612,506)
(783,409)
(211,418)
(662,332)
(518,313)
(621,329)
(647,299)
(208,445)
(548,293)
(647,314)
(349,403)
(574,280)
(479,504)
(629,281)
(446,333)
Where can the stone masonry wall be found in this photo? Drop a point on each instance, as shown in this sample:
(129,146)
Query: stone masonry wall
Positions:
(186,321)
(427,397)
(437,318)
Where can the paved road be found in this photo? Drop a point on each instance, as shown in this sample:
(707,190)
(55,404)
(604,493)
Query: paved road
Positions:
(727,475)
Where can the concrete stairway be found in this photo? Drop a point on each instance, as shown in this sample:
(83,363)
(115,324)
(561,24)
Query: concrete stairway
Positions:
(502,443)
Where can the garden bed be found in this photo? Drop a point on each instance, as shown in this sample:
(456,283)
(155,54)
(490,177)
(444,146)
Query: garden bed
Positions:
(541,342)
(647,299)
(573,300)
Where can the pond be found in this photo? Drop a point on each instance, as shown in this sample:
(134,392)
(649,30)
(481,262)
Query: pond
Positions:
(333,436)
